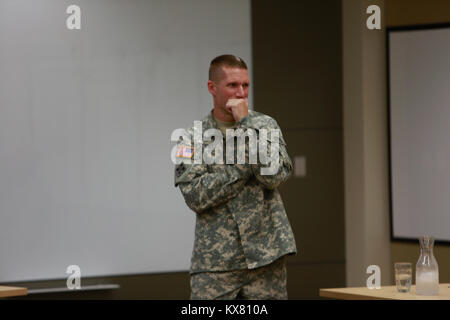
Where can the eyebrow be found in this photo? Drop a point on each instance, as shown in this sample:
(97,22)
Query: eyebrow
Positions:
(236,82)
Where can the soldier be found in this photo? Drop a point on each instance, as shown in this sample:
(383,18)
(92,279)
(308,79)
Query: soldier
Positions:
(242,233)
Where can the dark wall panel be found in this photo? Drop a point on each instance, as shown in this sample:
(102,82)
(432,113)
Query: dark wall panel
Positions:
(297,61)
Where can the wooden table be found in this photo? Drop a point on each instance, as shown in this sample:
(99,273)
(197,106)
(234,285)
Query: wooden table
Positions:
(12,291)
(385,293)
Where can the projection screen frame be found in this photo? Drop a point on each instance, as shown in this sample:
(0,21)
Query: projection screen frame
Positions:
(389,30)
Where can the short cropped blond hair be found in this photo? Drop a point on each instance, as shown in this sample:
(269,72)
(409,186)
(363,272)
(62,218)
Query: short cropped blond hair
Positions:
(225,60)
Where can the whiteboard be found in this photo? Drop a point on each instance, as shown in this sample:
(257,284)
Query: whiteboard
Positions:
(86,118)
(419,77)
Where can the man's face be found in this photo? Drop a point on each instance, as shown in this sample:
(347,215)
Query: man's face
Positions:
(233,83)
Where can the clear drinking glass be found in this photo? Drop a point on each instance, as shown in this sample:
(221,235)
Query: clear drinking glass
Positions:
(403,276)
(427,271)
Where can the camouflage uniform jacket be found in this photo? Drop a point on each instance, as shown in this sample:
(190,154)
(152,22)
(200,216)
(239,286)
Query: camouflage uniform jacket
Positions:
(241,222)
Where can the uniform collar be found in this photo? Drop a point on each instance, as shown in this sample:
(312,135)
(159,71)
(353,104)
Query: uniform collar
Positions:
(209,122)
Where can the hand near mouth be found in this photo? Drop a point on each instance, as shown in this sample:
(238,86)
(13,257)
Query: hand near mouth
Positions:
(237,107)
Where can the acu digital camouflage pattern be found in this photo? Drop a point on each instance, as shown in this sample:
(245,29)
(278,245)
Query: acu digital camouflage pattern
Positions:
(241,222)
(265,283)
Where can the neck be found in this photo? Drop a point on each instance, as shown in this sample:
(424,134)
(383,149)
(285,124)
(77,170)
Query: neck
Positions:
(222,116)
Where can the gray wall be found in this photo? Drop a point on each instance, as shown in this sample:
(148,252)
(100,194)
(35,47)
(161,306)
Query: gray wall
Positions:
(365,146)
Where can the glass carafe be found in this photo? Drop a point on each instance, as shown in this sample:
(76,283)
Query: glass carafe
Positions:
(427,271)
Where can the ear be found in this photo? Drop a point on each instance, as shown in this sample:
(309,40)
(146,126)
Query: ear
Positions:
(212,88)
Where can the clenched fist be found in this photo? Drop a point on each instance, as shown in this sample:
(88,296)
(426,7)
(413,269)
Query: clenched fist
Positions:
(238,107)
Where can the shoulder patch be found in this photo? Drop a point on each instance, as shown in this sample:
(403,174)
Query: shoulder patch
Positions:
(181,168)
(185,152)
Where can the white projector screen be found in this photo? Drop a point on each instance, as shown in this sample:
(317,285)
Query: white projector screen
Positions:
(86,118)
(419,112)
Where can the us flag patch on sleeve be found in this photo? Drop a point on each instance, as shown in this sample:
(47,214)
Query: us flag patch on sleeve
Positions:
(185,152)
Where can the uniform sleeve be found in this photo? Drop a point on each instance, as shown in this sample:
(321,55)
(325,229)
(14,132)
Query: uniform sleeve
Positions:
(203,189)
(284,169)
